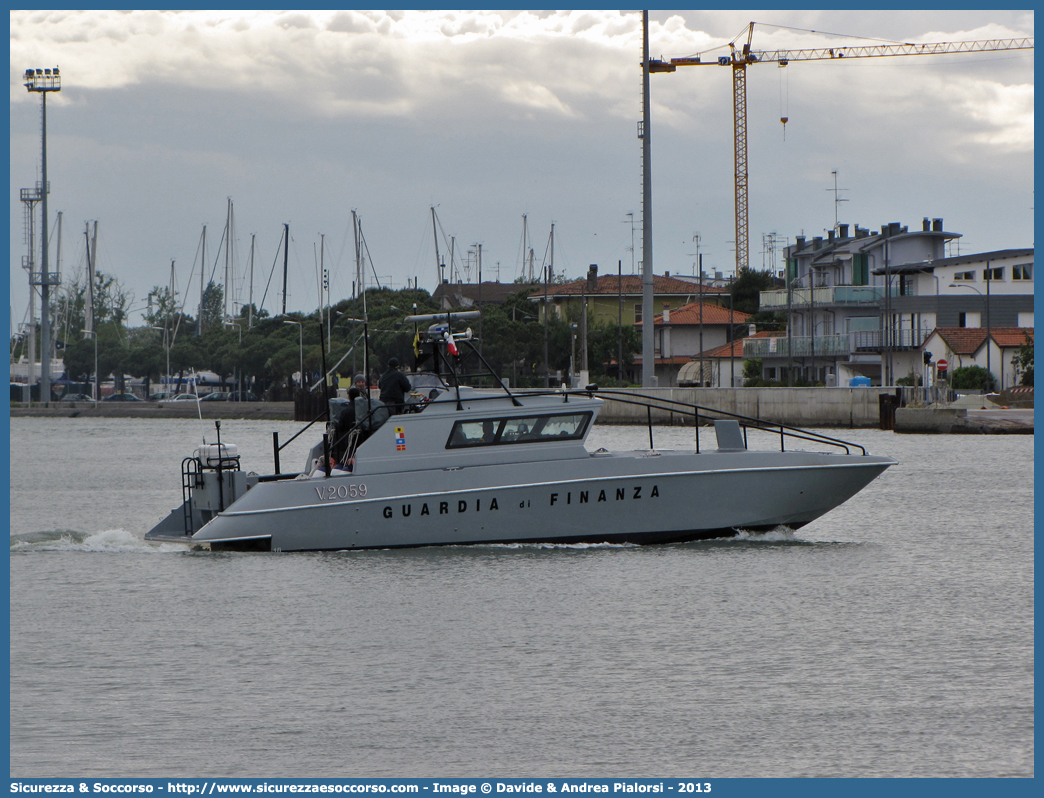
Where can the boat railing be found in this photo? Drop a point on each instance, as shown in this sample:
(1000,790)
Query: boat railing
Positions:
(698,412)
(709,414)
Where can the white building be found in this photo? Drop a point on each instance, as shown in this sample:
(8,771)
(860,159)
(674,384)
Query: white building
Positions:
(972,346)
(864,305)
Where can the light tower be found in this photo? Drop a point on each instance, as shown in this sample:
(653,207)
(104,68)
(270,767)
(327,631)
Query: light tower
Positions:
(43,81)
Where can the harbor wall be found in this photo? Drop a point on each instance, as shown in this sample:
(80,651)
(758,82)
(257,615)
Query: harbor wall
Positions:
(801,407)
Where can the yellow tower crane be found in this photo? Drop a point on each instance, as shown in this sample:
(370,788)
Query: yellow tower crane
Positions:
(740,57)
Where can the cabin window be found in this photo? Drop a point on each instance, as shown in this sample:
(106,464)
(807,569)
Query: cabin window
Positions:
(1024,272)
(518,429)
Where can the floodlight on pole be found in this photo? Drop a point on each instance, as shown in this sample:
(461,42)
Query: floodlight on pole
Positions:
(43,81)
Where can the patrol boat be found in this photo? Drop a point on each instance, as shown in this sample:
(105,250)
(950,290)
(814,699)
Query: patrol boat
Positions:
(465,465)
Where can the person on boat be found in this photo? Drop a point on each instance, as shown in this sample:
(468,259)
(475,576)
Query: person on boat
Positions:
(370,414)
(343,425)
(394,387)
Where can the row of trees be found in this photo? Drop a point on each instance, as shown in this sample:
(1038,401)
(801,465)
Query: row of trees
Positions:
(264,351)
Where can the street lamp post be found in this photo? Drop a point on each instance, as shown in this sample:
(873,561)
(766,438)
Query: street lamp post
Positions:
(343,317)
(572,355)
(986,302)
(300,329)
(43,81)
(166,377)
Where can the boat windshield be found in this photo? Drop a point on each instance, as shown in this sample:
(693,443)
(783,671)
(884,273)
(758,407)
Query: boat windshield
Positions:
(518,429)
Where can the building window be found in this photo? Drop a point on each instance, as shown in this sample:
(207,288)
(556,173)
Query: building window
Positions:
(972,320)
(638,313)
(1024,272)
(964,276)
(996,273)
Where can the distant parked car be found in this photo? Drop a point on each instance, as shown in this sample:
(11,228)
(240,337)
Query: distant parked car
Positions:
(76,397)
(122,397)
(217,396)
(245,396)
(185,397)
(158,397)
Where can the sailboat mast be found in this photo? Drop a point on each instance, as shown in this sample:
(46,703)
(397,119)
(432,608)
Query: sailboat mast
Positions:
(438,262)
(525,250)
(58,269)
(551,270)
(202,274)
(358,275)
(326,286)
(228,250)
(92,259)
(286,258)
(250,307)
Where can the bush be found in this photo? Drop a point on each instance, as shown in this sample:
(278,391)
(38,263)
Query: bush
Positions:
(972,378)
(909,380)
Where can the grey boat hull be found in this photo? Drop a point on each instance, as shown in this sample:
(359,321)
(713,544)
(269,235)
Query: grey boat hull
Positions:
(637,498)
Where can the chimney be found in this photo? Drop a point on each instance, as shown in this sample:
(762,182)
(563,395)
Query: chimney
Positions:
(842,230)
(926,226)
(666,274)
(893,228)
(752,330)
(800,240)
(666,312)
(817,242)
(937,225)
(830,235)
(592,277)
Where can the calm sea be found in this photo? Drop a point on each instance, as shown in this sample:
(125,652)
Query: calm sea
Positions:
(893,637)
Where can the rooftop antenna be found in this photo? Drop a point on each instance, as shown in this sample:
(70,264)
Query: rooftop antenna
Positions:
(837,199)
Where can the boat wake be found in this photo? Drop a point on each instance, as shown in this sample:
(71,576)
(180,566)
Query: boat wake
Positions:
(563,545)
(109,540)
(781,534)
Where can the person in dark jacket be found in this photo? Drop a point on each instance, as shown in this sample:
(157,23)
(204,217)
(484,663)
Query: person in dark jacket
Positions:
(394,387)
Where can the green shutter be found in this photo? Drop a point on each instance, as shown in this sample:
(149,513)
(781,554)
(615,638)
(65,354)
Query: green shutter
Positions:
(860,269)
(792,270)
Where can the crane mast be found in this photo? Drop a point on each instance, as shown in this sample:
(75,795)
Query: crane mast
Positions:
(740,58)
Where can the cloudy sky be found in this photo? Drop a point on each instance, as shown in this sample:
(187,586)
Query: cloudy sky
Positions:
(301,117)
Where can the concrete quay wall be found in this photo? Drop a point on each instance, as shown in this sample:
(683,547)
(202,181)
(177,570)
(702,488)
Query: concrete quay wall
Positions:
(800,407)
(953,421)
(208,410)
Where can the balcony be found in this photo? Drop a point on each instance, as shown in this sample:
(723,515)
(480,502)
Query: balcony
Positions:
(843,344)
(829,295)
(798,346)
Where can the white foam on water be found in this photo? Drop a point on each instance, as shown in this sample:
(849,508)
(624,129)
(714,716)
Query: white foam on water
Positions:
(781,534)
(109,540)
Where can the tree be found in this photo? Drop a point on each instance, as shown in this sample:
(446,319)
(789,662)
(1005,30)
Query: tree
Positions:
(972,378)
(747,287)
(213,311)
(1022,362)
